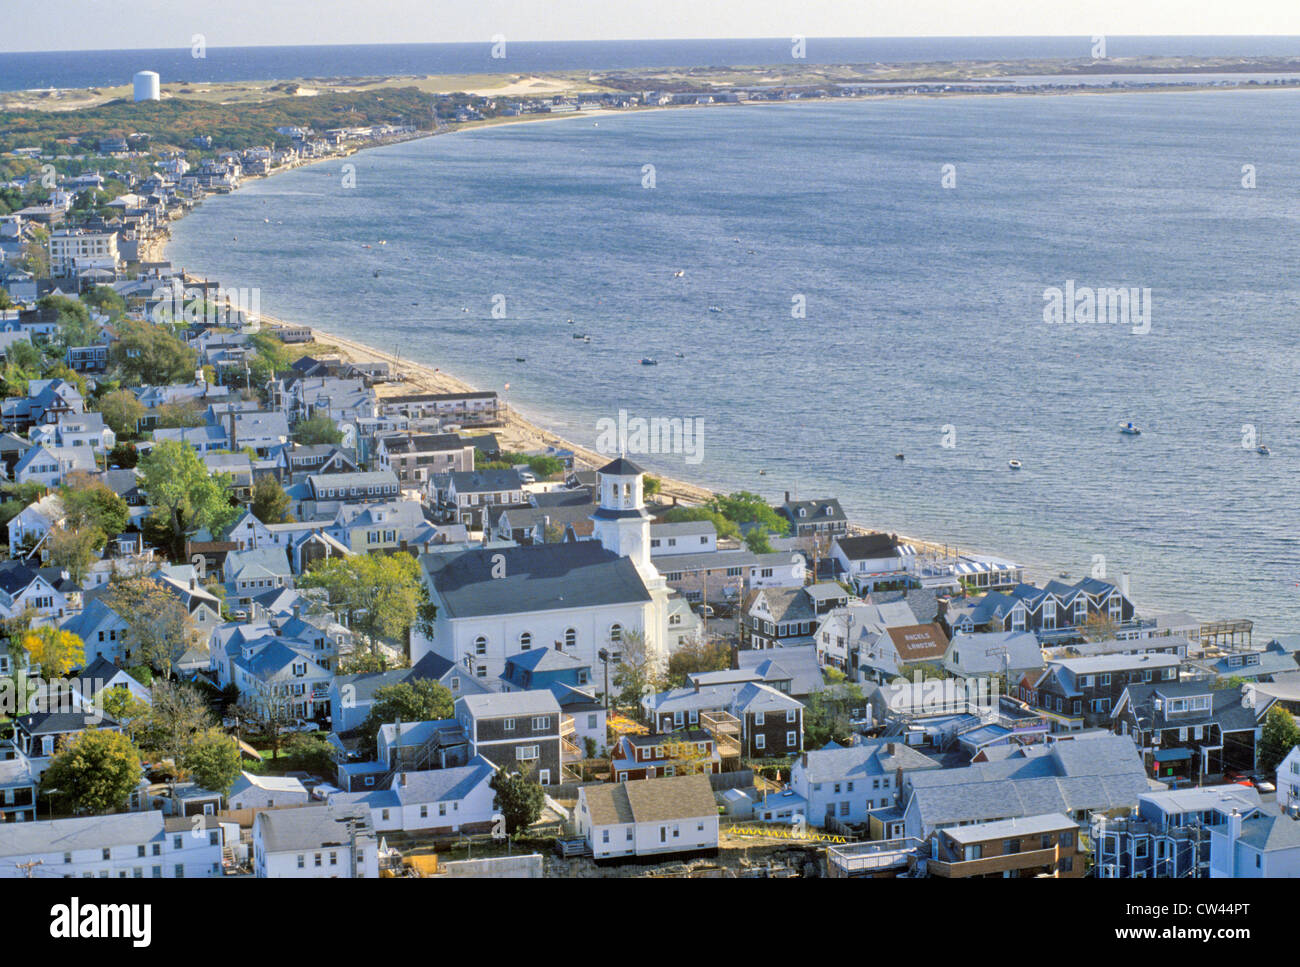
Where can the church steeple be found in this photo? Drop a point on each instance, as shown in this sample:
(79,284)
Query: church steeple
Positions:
(622,522)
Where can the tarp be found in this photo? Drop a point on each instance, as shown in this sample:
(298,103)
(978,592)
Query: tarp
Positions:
(1173,755)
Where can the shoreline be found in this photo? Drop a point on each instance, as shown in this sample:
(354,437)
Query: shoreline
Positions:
(520,432)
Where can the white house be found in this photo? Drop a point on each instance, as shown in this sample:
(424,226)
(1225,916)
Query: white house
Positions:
(315,842)
(648,817)
(1267,845)
(34,522)
(873,559)
(434,801)
(1288,779)
(266,792)
(137,845)
(577,597)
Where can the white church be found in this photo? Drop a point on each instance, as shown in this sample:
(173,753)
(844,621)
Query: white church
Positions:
(577,597)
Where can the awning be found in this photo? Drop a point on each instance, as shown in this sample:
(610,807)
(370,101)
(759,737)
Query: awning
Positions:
(1173,755)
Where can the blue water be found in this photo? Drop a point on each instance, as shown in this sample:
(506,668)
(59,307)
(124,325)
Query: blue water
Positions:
(94,68)
(924,308)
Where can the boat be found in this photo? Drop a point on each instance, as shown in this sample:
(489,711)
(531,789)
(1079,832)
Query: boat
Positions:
(1130,429)
(762,473)
(579,335)
(1014,464)
(1064,575)
(680,355)
(376,273)
(715,308)
(1262,449)
(520,359)
(899,456)
(647,361)
(679,273)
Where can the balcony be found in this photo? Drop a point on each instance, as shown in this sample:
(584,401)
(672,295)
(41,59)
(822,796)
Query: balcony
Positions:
(725,729)
(996,864)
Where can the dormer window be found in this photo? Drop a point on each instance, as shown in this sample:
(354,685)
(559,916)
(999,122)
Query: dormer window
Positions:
(803,511)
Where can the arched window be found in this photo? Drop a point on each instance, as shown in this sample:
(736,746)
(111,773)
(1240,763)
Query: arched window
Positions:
(525,641)
(616,632)
(570,638)
(480,645)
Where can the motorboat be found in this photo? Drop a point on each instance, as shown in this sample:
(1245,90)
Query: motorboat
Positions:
(1014,464)
(1130,429)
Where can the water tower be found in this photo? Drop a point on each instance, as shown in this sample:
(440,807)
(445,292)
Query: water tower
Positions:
(147,86)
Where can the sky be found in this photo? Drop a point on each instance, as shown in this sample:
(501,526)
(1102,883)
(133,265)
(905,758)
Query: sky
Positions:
(140,24)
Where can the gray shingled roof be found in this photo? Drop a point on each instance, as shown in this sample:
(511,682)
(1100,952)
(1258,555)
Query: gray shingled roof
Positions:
(650,800)
(539,577)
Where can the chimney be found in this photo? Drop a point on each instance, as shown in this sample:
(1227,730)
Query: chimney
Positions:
(890,748)
(1234,834)
(403,778)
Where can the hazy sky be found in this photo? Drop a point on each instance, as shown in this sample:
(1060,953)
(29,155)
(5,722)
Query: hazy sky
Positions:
(89,24)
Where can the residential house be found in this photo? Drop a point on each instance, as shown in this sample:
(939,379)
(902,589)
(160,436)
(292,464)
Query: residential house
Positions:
(1023,847)
(1076,693)
(767,722)
(678,753)
(266,792)
(319,842)
(874,561)
(1189,731)
(648,818)
(132,845)
(821,517)
(458,800)
(1264,845)
(515,730)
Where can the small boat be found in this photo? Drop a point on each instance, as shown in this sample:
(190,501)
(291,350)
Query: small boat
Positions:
(376,273)
(578,335)
(1263,451)
(680,355)
(1014,464)
(762,473)
(715,308)
(1130,429)
(679,273)
(520,359)
(267,220)
(647,361)
(899,456)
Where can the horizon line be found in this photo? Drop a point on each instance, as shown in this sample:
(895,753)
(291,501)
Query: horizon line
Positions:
(650,40)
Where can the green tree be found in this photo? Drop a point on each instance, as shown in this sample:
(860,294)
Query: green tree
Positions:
(637,673)
(828,713)
(650,486)
(73,550)
(91,504)
(519,798)
(177,714)
(122,411)
(697,656)
(94,773)
(149,354)
(757,541)
(183,495)
(159,628)
(212,760)
(381,594)
(123,708)
(309,753)
(317,429)
(744,506)
(105,300)
(422,700)
(270,504)
(124,456)
(1280,736)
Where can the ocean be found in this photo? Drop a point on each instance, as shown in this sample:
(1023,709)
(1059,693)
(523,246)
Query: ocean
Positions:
(923,330)
(99,68)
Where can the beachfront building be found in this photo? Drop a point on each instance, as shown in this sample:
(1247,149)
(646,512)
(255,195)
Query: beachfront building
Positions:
(582,598)
(74,251)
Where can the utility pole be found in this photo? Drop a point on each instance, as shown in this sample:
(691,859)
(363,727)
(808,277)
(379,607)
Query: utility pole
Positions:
(29,867)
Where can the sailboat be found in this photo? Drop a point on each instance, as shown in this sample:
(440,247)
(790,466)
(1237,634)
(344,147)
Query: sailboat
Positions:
(1262,449)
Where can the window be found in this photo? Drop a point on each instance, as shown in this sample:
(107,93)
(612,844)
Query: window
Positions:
(541,723)
(525,753)
(760,741)
(424,812)
(480,645)
(615,632)
(792,739)
(301,862)
(570,638)
(792,715)
(758,718)
(509,725)
(604,835)
(525,641)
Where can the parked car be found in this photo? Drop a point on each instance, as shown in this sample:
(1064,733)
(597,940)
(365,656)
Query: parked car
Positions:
(1263,783)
